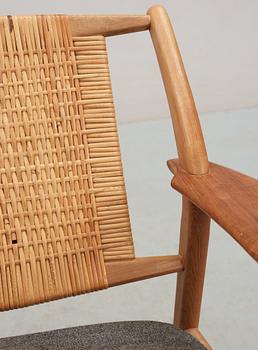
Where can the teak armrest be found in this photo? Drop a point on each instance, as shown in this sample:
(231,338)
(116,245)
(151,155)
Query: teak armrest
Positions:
(227,196)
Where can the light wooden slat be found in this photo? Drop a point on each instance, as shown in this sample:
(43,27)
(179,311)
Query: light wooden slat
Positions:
(142,268)
(108,25)
(198,336)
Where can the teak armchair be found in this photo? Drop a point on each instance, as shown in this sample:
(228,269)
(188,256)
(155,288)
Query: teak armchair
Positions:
(64,220)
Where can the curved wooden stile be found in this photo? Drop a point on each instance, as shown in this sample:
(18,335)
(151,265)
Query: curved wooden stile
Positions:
(194,233)
(188,133)
(108,25)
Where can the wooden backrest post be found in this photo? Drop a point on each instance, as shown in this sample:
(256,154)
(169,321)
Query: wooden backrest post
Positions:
(189,139)
(194,233)
(193,247)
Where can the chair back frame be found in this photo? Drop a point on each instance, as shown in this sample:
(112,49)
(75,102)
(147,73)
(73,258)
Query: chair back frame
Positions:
(194,235)
(195,224)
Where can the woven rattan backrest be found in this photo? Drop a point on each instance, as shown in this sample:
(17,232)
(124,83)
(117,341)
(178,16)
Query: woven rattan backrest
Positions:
(63,206)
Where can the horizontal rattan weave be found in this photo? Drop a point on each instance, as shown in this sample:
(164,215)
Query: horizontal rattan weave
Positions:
(63,206)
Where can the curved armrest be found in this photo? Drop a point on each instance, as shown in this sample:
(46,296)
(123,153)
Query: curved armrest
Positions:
(227,196)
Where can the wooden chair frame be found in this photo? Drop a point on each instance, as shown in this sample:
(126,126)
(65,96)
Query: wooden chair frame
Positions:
(192,171)
(190,263)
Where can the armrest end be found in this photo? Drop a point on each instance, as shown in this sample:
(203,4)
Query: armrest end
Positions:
(227,196)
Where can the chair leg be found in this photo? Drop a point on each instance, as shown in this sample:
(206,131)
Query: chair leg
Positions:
(194,239)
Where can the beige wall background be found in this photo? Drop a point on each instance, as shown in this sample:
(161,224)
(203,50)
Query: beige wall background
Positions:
(218,41)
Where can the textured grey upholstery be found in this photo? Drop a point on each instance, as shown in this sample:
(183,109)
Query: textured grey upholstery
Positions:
(133,335)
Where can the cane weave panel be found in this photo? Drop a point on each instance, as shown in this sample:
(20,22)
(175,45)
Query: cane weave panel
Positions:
(63,206)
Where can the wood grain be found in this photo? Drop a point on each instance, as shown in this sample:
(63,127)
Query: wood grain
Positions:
(142,268)
(228,197)
(189,139)
(194,239)
(108,25)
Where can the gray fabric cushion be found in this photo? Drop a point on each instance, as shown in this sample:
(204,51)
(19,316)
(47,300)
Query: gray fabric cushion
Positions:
(136,335)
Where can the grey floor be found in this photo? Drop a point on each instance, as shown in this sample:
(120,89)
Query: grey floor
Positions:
(230,305)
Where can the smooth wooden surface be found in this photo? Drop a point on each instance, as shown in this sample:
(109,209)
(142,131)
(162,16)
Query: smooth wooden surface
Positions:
(194,239)
(188,134)
(228,197)
(108,25)
(198,336)
(142,268)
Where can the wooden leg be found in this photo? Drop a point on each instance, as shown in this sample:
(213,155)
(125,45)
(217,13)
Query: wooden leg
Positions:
(194,239)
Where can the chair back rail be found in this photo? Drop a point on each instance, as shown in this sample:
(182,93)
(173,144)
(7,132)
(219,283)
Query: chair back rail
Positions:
(108,25)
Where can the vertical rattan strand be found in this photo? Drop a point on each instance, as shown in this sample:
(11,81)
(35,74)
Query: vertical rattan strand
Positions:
(96,257)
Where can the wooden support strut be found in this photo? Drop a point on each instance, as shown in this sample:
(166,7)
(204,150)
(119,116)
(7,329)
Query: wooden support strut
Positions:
(194,239)
(122,272)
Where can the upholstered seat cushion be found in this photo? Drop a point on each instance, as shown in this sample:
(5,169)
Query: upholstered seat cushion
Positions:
(132,335)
